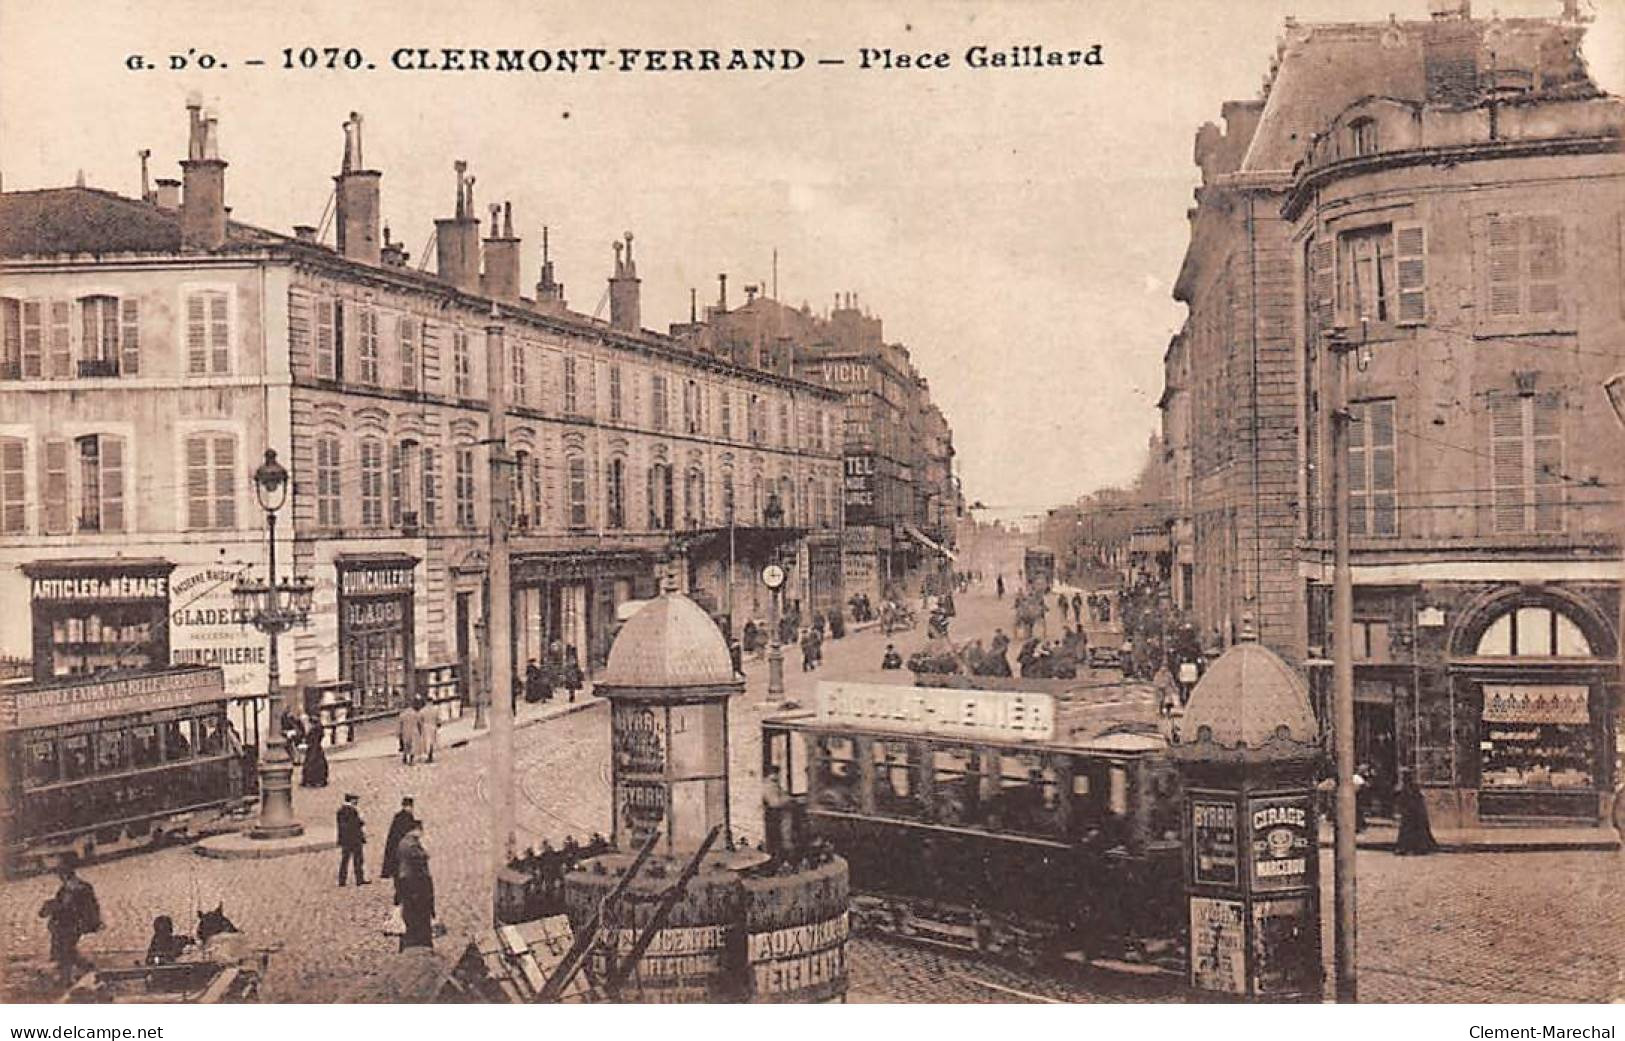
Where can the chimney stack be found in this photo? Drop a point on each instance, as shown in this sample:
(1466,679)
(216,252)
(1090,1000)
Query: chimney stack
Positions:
(750,294)
(355,191)
(393,254)
(167,196)
(146,185)
(549,293)
(203,176)
(501,278)
(457,238)
(722,293)
(623,290)
(305,233)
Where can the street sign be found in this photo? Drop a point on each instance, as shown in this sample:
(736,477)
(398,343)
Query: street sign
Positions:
(773,576)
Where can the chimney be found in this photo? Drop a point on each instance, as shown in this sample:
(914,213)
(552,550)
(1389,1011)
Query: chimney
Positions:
(146,184)
(693,306)
(501,278)
(623,290)
(203,178)
(355,191)
(457,238)
(393,254)
(750,294)
(167,196)
(549,294)
(305,233)
(722,293)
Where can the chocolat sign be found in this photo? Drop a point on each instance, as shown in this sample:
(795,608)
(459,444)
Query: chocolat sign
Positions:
(1282,846)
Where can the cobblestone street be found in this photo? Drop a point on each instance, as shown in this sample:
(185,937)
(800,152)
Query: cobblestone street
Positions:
(1515,927)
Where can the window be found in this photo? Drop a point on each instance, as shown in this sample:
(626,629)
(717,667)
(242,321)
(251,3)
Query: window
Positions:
(1534,632)
(55,488)
(660,497)
(431,487)
(208,333)
(694,498)
(367,345)
(615,493)
(727,414)
(577,469)
(11,339)
(1371,468)
(956,788)
(211,483)
(372,482)
(400,484)
(1525,265)
(61,343)
(753,419)
(327,339)
(615,392)
(1383,276)
(570,386)
(329,511)
(465,487)
(101,483)
(13,505)
(521,375)
(519,487)
(784,425)
(691,407)
(535,482)
(406,339)
(462,365)
(657,401)
(99,336)
(1363,137)
(1526,461)
(728,496)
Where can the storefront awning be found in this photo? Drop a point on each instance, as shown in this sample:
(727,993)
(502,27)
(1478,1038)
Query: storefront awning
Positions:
(919,536)
(748,540)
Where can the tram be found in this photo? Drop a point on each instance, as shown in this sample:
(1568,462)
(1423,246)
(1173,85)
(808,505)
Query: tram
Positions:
(115,761)
(967,822)
(1038,568)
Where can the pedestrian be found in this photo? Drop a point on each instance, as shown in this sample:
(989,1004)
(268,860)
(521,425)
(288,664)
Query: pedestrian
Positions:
(414,890)
(999,587)
(69,914)
(293,735)
(1077,609)
(809,652)
(352,837)
(1619,812)
(736,657)
(165,947)
(428,729)
(314,773)
(892,659)
(406,728)
(405,820)
(1415,834)
(572,671)
(533,682)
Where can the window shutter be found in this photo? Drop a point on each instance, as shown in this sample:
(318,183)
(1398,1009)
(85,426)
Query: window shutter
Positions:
(431,491)
(112,480)
(1358,479)
(197,482)
(13,505)
(1547,462)
(225,482)
(338,340)
(536,489)
(1410,250)
(1380,447)
(61,340)
(54,481)
(1544,250)
(90,329)
(325,367)
(197,356)
(406,333)
(1506,463)
(1324,284)
(219,333)
(397,480)
(1505,248)
(130,337)
(33,340)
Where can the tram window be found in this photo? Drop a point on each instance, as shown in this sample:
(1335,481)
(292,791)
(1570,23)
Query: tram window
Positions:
(1088,785)
(144,745)
(42,764)
(957,785)
(111,754)
(75,757)
(837,771)
(177,740)
(211,741)
(1028,793)
(894,778)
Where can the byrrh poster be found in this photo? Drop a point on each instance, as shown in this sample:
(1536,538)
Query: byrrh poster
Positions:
(1054,353)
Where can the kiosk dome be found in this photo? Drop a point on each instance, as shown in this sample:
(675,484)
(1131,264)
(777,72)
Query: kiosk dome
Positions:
(669,643)
(1250,703)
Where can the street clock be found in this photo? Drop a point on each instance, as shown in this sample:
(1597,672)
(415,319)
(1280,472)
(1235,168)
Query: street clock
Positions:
(773,576)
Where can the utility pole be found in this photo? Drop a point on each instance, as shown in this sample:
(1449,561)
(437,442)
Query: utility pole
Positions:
(1345,928)
(499,622)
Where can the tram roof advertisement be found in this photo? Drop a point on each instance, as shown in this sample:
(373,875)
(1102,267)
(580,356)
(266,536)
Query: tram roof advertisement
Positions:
(992,714)
(99,698)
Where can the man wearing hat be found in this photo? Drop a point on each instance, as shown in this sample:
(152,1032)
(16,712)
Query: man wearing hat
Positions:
(352,837)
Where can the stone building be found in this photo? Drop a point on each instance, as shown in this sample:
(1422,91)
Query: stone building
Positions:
(152,349)
(1448,213)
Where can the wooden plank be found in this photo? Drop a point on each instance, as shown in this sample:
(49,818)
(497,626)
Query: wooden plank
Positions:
(220,987)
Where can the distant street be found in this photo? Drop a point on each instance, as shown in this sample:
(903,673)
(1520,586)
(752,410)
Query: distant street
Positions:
(1451,927)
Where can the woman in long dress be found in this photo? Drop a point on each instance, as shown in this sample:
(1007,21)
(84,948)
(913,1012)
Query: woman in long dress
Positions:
(314,772)
(1415,834)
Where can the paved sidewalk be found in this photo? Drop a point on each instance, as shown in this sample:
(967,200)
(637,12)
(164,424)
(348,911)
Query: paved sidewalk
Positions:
(384,745)
(1489,840)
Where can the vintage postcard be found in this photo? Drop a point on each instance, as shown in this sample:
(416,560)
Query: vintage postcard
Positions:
(1008,501)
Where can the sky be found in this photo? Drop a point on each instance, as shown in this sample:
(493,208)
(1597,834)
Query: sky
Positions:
(1018,229)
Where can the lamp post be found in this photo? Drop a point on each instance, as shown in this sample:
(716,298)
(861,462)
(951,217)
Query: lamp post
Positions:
(1614,387)
(274,608)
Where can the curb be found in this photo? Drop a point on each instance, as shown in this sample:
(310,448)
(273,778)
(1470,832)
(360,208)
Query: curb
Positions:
(238,845)
(384,751)
(1549,846)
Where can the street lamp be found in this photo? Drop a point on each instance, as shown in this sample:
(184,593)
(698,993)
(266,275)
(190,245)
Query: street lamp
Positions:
(274,608)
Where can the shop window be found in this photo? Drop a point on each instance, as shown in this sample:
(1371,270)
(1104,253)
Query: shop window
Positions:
(40,764)
(406,341)
(836,773)
(1526,462)
(329,501)
(1372,476)
(13,486)
(1537,736)
(956,786)
(101,483)
(211,482)
(896,786)
(208,333)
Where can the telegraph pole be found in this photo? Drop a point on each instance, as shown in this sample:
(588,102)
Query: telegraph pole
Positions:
(499,623)
(1343,685)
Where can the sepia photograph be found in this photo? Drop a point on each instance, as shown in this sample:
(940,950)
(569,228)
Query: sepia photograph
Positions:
(880,502)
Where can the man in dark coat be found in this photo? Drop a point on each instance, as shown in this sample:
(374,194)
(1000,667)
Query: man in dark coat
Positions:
(352,837)
(68,915)
(414,891)
(404,821)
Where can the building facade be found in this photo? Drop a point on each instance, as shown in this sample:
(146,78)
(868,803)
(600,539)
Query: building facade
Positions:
(152,350)
(1454,221)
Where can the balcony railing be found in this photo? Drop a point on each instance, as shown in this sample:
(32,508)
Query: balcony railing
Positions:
(97,367)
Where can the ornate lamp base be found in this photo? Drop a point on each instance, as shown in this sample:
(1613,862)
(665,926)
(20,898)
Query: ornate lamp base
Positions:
(276,819)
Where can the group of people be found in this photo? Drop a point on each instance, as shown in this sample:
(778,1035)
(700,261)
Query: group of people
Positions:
(544,868)
(305,736)
(417,729)
(561,670)
(406,862)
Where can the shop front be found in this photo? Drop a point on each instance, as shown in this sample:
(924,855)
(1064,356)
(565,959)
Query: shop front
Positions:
(375,600)
(569,599)
(93,616)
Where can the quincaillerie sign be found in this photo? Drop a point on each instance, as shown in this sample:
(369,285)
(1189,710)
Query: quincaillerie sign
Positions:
(1282,847)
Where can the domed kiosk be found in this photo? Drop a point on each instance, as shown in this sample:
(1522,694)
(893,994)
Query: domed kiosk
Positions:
(1249,750)
(727,924)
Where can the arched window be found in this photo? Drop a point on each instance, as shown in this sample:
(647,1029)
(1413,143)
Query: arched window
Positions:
(694,498)
(1363,136)
(1534,631)
(660,497)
